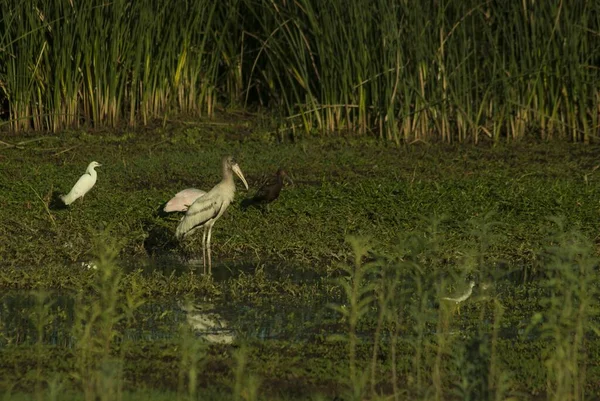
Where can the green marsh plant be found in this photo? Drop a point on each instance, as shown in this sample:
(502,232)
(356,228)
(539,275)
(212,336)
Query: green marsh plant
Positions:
(41,318)
(99,320)
(454,71)
(447,354)
(101,64)
(418,260)
(389,320)
(358,292)
(246,385)
(193,351)
(569,310)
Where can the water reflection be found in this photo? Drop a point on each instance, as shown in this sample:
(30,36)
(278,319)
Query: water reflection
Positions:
(213,322)
(221,323)
(207,322)
(18,313)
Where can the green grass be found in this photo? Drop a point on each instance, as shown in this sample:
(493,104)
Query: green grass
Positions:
(341,189)
(425,220)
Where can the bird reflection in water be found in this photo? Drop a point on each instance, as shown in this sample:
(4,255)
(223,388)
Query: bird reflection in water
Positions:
(205,321)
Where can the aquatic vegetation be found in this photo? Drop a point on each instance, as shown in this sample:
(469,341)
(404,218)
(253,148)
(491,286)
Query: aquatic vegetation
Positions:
(336,292)
(567,319)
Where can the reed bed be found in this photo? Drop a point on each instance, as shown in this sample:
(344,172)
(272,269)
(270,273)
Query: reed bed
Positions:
(448,70)
(67,63)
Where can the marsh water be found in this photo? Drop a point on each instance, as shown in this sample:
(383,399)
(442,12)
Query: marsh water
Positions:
(216,321)
(153,321)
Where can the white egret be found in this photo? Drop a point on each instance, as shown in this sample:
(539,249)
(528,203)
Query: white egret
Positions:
(183,199)
(207,209)
(83,184)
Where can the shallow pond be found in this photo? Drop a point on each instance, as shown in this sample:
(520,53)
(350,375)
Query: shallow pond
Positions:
(218,323)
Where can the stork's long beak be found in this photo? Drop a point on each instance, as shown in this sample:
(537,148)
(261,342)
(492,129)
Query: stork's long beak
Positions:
(238,172)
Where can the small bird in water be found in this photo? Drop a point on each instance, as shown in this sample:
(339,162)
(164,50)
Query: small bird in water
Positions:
(183,199)
(269,191)
(207,209)
(463,297)
(83,184)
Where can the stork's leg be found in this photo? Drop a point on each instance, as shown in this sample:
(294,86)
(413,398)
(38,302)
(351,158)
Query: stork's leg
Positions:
(204,248)
(208,242)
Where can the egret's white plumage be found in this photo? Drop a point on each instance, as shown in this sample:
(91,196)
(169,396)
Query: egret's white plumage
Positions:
(83,184)
(207,209)
(183,199)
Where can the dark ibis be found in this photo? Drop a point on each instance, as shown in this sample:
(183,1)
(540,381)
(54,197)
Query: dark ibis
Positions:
(269,190)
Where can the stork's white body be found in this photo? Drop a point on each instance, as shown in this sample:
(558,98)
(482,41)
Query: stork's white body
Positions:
(83,184)
(183,199)
(207,209)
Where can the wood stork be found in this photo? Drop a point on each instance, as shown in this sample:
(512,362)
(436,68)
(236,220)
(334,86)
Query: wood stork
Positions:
(207,209)
(83,184)
(183,199)
(269,191)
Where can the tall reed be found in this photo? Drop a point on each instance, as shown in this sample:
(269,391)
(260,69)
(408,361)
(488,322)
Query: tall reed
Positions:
(447,70)
(246,385)
(192,351)
(41,317)
(449,355)
(450,70)
(98,63)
